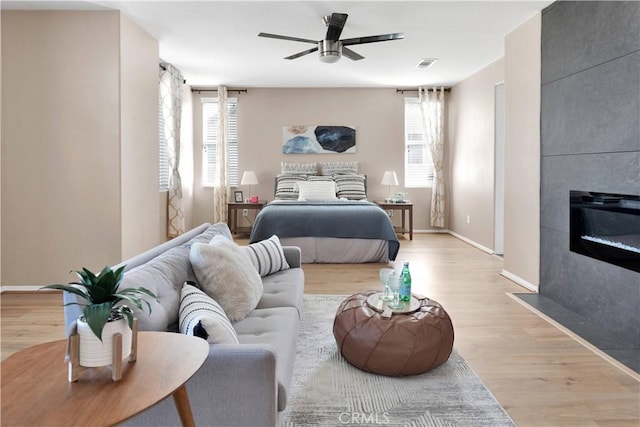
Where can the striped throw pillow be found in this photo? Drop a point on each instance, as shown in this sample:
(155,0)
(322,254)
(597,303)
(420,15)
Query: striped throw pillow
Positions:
(267,256)
(286,188)
(201,316)
(341,168)
(298,168)
(351,187)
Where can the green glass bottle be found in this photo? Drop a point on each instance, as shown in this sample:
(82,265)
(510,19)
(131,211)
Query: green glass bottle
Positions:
(405,288)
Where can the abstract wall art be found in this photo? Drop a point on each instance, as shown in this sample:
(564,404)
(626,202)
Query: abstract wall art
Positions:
(318,139)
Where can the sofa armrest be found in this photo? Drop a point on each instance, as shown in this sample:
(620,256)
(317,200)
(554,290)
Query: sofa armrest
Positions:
(293,256)
(72,310)
(236,386)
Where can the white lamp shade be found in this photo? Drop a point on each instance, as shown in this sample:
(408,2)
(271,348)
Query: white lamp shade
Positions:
(249,178)
(389,178)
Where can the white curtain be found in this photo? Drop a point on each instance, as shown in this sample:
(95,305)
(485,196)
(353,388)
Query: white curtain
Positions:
(432,107)
(220,190)
(171,82)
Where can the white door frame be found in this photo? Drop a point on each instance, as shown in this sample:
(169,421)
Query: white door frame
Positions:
(499,169)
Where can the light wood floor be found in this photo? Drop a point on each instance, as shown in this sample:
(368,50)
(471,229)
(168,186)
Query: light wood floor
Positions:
(539,374)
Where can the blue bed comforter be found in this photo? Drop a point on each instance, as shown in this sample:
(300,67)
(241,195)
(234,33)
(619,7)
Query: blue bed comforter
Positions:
(343,219)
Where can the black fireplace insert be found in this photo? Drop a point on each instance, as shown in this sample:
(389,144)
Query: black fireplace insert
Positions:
(606,227)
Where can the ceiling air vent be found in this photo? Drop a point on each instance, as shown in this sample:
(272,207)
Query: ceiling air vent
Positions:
(425,63)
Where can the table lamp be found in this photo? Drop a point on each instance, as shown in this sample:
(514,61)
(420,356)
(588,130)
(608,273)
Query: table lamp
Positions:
(389,178)
(249,178)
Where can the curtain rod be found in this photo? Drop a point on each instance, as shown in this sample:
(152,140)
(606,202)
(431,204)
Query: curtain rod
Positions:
(205,89)
(163,68)
(446,89)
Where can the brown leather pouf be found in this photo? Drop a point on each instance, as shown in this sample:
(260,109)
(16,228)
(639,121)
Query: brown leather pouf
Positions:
(405,344)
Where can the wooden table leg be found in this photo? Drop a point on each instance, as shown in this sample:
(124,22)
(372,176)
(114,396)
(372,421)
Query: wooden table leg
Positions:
(181,400)
(411,222)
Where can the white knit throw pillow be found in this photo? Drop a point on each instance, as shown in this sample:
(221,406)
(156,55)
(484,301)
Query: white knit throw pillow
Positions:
(226,274)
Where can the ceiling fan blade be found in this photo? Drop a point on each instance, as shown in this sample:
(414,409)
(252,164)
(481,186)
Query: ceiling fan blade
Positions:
(336,24)
(303,53)
(351,54)
(293,39)
(372,39)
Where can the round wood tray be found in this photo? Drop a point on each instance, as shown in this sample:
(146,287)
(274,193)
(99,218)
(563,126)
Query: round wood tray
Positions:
(377,304)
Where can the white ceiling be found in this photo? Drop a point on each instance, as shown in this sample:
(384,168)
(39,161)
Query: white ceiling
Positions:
(215,42)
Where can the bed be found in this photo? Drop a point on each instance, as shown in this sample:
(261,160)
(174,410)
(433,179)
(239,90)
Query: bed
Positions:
(322,208)
(338,231)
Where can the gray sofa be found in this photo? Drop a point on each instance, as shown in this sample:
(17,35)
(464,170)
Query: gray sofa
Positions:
(244,384)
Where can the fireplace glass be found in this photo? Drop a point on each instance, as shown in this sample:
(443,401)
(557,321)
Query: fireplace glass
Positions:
(606,227)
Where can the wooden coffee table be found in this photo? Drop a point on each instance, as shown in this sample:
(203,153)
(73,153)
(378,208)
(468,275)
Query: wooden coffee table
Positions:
(36,391)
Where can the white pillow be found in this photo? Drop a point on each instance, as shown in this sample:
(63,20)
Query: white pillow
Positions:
(202,316)
(316,190)
(226,274)
(267,256)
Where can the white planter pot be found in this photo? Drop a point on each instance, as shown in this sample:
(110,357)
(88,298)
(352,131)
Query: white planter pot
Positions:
(93,352)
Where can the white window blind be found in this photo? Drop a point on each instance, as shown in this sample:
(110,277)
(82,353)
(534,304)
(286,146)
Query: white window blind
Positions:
(163,166)
(418,167)
(210,140)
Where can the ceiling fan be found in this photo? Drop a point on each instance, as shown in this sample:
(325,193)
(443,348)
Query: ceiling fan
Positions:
(332,48)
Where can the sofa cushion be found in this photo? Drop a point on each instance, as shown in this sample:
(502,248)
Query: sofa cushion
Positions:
(282,290)
(164,276)
(226,274)
(163,273)
(202,316)
(277,327)
(267,256)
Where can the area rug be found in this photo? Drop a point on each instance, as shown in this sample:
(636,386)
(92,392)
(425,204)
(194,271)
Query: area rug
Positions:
(328,391)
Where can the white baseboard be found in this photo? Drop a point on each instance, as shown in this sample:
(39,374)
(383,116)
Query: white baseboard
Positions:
(430,231)
(472,243)
(10,288)
(519,281)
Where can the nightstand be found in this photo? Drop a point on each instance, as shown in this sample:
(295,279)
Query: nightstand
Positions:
(232,215)
(404,208)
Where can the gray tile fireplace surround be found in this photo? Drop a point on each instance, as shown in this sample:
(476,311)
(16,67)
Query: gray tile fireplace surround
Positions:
(590,141)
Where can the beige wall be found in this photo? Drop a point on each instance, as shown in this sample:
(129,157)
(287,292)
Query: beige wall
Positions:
(141,218)
(522,152)
(471,155)
(0,149)
(377,114)
(66,140)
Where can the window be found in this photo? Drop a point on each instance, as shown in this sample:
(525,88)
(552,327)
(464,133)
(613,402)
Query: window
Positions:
(418,167)
(210,139)
(163,175)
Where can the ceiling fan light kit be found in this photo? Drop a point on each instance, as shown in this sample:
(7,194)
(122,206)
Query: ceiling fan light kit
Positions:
(332,48)
(330,51)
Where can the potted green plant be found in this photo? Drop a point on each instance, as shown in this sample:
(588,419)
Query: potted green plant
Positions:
(106,313)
